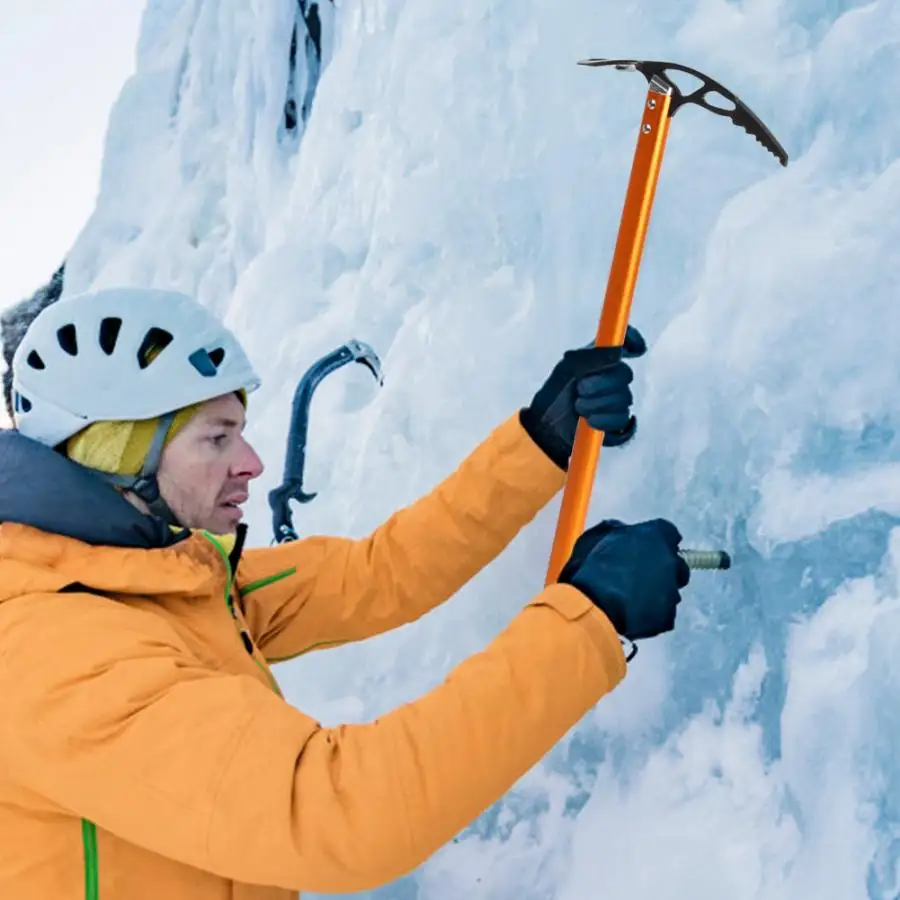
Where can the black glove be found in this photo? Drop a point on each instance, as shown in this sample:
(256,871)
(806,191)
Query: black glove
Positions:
(632,573)
(592,382)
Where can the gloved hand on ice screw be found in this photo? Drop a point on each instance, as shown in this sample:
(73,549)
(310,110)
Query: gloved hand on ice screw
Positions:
(592,382)
(632,573)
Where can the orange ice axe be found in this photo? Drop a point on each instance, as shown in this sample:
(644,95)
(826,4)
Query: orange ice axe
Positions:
(663,100)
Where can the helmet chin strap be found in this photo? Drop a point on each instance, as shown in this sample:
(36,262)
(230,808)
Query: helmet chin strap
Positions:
(145,484)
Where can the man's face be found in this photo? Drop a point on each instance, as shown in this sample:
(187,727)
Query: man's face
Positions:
(205,470)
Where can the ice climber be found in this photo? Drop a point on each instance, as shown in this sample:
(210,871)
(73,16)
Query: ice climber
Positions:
(145,750)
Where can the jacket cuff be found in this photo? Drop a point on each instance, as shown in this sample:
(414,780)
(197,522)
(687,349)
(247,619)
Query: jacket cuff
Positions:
(574,606)
(549,444)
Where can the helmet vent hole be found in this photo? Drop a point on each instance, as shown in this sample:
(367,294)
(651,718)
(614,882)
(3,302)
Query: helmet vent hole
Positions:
(217,355)
(34,360)
(202,362)
(22,404)
(109,334)
(155,341)
(68,339)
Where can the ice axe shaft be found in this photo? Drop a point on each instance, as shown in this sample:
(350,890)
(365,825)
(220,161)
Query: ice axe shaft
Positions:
(663,99)
(614,316)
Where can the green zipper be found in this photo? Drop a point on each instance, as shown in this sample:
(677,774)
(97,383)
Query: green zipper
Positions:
(265,582)
(229,602)
(88,829)
(271,579)
(89,843)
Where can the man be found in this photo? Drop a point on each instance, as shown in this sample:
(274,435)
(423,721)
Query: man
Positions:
(145,749)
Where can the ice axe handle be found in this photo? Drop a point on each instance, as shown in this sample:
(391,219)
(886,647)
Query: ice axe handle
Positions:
(614,316)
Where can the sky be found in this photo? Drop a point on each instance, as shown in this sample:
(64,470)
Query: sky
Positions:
(62,66)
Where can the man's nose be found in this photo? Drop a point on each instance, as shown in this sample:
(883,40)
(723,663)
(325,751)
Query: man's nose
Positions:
(248,463)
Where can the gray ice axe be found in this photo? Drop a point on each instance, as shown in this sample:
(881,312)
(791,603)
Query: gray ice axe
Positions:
(291,487)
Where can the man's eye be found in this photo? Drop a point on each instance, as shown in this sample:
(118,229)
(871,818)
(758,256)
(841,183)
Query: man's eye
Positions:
(219,439)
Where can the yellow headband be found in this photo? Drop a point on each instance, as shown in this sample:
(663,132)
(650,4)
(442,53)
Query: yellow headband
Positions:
(121,447)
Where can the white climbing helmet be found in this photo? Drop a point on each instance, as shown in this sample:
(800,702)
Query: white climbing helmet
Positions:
(84,359)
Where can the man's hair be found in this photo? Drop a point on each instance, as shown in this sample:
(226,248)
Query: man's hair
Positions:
(14,323)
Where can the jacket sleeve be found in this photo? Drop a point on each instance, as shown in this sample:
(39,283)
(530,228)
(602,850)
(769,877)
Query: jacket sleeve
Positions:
(128,730)
(326,590)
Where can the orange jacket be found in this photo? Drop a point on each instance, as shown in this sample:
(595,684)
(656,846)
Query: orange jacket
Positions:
(145,754)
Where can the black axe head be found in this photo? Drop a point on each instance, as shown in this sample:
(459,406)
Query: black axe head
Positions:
(739,113)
